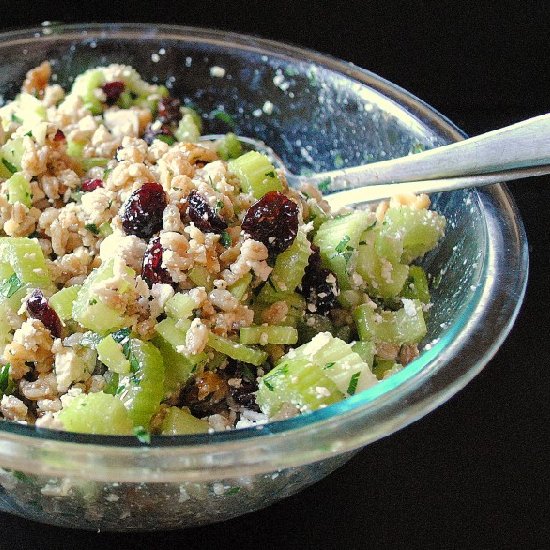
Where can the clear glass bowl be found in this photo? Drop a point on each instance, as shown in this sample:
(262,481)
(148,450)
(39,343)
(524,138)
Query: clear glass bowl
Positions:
(317,113)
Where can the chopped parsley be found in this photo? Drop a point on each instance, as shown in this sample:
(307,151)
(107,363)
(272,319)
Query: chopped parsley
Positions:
(142,434)
(170,140)
(270,174)
(92,228)
(353,383)
(233,490)
(328,366)
(16,119)
(338,160)
(225,239)
(92,302)
(9,166)
(342,245)
(10,286)
(224,117)
(324,185)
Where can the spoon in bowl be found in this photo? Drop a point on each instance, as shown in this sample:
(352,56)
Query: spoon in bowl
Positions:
(513,152)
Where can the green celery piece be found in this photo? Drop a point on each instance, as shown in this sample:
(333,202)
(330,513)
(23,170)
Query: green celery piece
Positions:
(405,326)
(382,366)
(230,147)
(19,190)
(239,288)
(12,153)
(416,285)
(236,351)
(200,276)
(88,163)
(62,301)
(142,390)
(256,173)
(187,130)
(90,311)
(75,148)
(110,353)
(419,230)
(338,241)
(27,260)
(180,306)
(85,86)
(298,382)
(268,335)
(384,278)
(181,421)
(96,413)
(291,264)
(366,351)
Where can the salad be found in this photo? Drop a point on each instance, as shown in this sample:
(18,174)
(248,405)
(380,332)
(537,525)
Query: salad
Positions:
(153,283)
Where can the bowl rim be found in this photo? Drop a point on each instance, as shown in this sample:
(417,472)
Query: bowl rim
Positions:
(344,426)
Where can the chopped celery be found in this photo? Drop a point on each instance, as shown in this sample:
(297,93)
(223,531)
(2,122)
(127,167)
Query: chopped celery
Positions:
(268,335)
(405,326)
(256,173)
(12,153)
(90,311)
(181,421)
(109,352)
(111,382)
(180,306)
(365,350)
(311,325)
(384,278)
(85,86)
(26,258)
(62,301)
(88,163)
(230,147)
(416,285)
(417,229)
(19,190)
(143,389)
(291,264)
(240,287)
(338,241)
(382,366)
(75,148)
(236,351)
(201,277)
(187,130)
(96,413)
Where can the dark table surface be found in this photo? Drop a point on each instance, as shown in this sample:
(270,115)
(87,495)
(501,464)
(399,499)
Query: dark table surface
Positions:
(473,473)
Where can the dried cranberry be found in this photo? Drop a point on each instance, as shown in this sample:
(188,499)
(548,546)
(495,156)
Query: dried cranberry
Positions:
(112,91)
(59,136)
(142,212)
(319,285)
(91,184)
(273,220)
(203,215)
(164,133)
(152,271)
(169,109)
(38,308)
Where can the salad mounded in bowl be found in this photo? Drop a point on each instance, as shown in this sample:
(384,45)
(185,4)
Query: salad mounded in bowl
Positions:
(151,282)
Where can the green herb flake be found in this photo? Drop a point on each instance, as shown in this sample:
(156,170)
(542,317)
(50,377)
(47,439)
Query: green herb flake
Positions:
(353,383)
(142,434)
(268,385)
(121,336)
(29,133)
(169,140)
(338,161)
(270,174)
(224,117)
(329,365)
(92,302)
(4,377)
(225,239)
(342,245)
(324,185)
(92,228)
(10,286)
(9,166)
(417,148)
(134,365)
(232,490)
(16,119)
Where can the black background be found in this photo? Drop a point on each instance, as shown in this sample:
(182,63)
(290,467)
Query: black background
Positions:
(474,473)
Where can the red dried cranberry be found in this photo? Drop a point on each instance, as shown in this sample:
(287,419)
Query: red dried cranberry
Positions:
(164,133)
(59,136)
(112,91)
(319,285)
(91,184)
(38,308)
(203,215)
(169,110)
(152,271)
(273,220)
(142,211)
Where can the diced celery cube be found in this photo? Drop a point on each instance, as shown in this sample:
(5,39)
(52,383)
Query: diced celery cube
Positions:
(27,260)
(256,173)
(110,354)
(62,301)
(236,351)
(19,190)
(181,422)
(180,306)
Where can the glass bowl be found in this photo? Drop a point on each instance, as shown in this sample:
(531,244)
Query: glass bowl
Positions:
(317,113)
